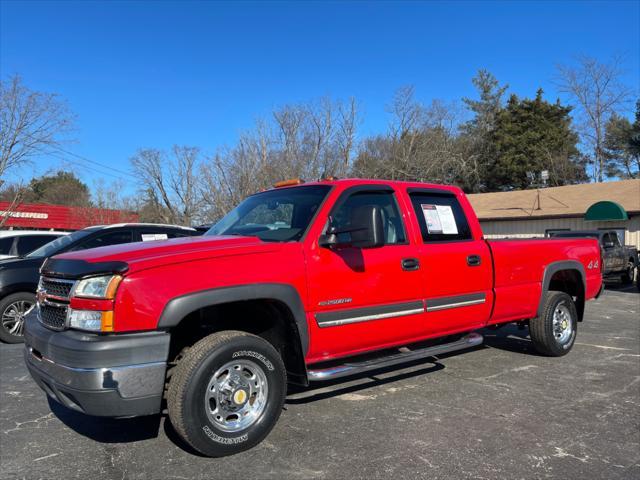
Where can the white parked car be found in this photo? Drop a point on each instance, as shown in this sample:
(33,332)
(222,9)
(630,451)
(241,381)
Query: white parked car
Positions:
(18,243)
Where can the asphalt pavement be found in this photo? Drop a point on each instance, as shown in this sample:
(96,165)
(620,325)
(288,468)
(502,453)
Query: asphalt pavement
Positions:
(497,411)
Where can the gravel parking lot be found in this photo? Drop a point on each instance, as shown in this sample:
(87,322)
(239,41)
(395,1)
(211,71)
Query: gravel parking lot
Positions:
(498,411)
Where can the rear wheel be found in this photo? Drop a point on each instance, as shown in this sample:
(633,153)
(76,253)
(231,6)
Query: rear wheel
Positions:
(13,310)
(226,393)
(553,333)
(627,276)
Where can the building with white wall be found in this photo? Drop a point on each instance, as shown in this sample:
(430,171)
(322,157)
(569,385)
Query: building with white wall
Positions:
(536,212)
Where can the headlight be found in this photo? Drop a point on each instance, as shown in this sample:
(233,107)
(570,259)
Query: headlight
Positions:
(98,287)
(92,320)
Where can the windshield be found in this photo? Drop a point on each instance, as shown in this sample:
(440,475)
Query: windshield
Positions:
(279,215)
(58,244)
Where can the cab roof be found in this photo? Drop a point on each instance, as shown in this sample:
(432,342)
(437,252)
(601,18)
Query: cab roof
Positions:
(349,182)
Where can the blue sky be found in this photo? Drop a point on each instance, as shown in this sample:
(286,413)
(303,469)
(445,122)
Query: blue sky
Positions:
(153,74)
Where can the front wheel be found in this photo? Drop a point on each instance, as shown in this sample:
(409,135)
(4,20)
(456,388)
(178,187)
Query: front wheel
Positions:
(226,393)
(13,310)
(553,333)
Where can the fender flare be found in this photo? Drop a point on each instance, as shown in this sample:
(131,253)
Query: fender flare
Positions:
(554,267)
(179,307)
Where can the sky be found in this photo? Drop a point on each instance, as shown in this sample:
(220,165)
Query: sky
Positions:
(141,74)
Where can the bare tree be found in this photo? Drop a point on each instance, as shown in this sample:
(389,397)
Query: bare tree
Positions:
(599,93)
(420,144)
(169,183)
(346,136)
(307,140)
(31,124)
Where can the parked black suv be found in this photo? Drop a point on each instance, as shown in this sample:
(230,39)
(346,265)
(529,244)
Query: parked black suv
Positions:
(19,276)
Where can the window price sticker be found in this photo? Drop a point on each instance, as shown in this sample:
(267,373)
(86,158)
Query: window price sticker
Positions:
(146,237)
(439,219)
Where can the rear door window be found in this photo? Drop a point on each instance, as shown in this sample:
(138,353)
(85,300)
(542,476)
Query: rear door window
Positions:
(615,239)
(150,233)
(5,245)
(105,239)
(29,243)
(440,216)
(607,238)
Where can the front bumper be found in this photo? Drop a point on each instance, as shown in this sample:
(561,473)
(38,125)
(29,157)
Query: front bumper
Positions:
(104,375)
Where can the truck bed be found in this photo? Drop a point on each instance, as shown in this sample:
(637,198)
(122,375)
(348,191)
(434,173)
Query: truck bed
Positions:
(519,266)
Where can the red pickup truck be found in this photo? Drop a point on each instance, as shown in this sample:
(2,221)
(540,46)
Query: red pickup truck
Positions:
(300,283)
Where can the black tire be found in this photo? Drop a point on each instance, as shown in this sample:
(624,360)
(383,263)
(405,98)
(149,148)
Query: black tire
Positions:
(545,339)
(192,377)
(627,277)
(9,331)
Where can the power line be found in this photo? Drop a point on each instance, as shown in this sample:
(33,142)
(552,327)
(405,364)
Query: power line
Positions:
(94,162)
(67,152)
(73,162)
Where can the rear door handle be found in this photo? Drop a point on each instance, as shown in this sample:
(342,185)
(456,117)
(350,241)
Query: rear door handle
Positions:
(474,260)
(410,264)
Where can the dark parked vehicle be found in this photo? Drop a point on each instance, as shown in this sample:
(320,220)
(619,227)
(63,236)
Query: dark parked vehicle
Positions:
(619,261)
(18,243)
(19,276)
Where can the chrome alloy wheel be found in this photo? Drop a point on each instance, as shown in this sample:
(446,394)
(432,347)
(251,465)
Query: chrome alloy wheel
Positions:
(236,395)
(13,316)
(562,323)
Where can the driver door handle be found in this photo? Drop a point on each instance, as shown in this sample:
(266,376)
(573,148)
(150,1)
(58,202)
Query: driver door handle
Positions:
(410,264)
(474,260)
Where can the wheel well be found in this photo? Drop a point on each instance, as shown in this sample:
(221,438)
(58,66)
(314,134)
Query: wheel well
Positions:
(571,282)
(269,319)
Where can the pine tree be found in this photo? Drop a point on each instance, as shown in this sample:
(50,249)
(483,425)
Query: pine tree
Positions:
(531,136)
(477,133)
(622,146)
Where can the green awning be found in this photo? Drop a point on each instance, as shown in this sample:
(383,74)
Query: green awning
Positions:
(605,211)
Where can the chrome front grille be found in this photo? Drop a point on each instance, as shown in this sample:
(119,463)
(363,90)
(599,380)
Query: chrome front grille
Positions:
(57,287)
(53,301)
(53,316)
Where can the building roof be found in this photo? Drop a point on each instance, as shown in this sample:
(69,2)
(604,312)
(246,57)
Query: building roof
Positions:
(567,201)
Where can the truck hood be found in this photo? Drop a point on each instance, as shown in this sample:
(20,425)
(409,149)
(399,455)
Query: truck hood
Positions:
(141,255)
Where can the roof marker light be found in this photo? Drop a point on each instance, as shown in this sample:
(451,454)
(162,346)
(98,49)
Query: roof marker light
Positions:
(288,183)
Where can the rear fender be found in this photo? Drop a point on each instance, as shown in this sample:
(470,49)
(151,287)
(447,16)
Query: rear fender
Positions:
(556,267)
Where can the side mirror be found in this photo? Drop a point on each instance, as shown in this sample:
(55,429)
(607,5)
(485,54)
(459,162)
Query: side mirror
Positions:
(365,231)
(608,245)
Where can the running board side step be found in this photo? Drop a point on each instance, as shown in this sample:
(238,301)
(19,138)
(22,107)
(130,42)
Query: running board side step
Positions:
(351,368)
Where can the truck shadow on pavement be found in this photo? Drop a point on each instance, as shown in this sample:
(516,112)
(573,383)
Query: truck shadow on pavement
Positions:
(119,430)
(107,430)
(509,338)
(297,395)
